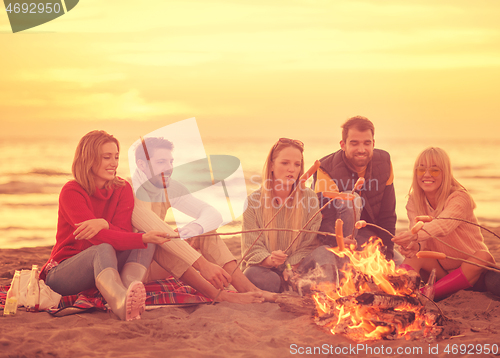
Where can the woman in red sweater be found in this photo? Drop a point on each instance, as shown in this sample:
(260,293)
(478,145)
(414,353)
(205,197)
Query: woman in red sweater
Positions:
(94,239)
(435,192)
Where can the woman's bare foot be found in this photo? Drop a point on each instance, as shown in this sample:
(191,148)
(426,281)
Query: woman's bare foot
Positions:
(247,297)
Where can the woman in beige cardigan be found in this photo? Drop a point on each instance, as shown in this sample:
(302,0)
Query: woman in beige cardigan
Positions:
(436,193)
(265,262)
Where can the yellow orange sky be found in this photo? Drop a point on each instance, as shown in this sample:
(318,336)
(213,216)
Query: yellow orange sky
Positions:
(416,68)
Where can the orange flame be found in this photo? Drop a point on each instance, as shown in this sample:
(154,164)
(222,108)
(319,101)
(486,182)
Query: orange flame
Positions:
(368,322)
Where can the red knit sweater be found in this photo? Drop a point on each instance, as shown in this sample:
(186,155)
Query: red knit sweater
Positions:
(75,206)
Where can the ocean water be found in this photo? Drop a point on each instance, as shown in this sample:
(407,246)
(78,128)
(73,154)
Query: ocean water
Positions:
(33,170)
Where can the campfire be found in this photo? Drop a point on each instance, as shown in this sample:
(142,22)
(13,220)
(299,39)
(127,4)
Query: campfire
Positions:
(374,300)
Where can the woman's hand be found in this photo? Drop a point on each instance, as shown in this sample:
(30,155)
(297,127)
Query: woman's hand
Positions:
(408,243)
(405,238)
(88,229)
(155,237)
(276,259)
(411,250)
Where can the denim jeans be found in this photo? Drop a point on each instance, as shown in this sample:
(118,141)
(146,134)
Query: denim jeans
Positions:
(269,279)
(492,279)
(321,265)
(78,273)
(349,211)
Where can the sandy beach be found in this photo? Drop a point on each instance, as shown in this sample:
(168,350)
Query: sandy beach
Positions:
(228,329)
(231,330)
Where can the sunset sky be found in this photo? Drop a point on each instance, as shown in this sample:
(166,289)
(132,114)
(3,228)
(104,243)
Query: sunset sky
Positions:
(416,68)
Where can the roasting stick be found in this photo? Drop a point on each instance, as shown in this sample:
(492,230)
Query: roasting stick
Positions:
(312,217)
(359,184)
(420,226)
(463,252)
(300,184)
(147,156)
(258,230)
(307,223)
(427,218)
(151,168)
(441,255)
(435,305)
(361,223)
(332,196)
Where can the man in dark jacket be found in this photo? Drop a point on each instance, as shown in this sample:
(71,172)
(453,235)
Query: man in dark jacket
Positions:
(339,172)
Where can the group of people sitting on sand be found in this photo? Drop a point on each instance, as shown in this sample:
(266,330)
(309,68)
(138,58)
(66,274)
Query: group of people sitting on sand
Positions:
(115,238)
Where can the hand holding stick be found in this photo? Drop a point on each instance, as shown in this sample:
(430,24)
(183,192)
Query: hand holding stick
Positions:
(441,255)
(419,227)
(300,184)
(427,218)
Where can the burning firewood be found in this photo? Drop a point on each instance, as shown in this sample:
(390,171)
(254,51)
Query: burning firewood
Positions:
(295,304)
(385,301)
(406,284)
(400,318)
(374,300)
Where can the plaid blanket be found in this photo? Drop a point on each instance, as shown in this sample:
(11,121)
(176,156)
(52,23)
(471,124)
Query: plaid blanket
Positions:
(169,291)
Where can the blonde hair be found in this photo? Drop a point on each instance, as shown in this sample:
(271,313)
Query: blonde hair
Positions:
(88,157)
(438,157)
(267,197)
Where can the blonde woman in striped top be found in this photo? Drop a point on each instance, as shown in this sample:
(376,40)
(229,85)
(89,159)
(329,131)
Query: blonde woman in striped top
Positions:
(437,193)
(266,261)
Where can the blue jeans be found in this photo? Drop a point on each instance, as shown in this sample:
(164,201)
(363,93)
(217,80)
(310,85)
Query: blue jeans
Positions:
(349,212)
(346,210)
(78,273)
(321,265)
(492,279)
(269,279)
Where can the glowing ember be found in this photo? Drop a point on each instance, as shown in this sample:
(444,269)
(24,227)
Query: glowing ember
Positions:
(374,300)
